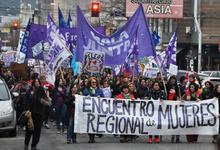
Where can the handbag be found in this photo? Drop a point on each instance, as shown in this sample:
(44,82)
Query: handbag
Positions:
(22,120)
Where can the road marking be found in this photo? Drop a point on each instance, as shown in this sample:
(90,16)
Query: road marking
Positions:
(12,139)
(163,147)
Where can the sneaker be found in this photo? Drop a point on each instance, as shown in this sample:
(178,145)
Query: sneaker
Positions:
(26,147)
(91,141)
(157,140)
(122,141)
(74,141)
(47,126)
(177,140)
(34,148)
(150,140)
(64,132)
(58,132)
(214,141)
(99,135)
(68,141)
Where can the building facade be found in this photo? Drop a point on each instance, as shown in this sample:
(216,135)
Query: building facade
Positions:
(209,18)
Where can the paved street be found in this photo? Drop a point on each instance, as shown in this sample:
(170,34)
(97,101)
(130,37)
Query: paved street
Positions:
(50,140)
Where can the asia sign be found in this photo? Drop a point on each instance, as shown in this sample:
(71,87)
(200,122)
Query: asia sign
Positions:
(156,8)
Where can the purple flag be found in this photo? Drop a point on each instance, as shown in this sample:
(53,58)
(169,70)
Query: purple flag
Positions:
(58,51)
(116,46)
(170,54)
(156,38)
(38,35)
(69,21)
(62,22)
(51,29)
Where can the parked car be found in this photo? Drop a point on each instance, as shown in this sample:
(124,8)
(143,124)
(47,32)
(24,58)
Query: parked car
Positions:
(7,110)
(202,76)
(212,73)
(213,80)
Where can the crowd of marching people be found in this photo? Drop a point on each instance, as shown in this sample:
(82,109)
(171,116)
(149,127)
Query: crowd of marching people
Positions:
(57,103)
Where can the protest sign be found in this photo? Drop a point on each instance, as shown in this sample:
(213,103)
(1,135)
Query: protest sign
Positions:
(8,58)
(145,117)
(93,62)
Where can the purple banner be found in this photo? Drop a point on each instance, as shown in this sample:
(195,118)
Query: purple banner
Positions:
(117,46)
(38,34)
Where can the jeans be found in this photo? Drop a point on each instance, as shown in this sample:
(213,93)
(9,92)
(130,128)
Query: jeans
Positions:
(61,116)
(70,131)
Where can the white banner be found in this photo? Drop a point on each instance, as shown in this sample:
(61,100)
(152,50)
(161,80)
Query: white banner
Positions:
(20,57)
(145,117)
(58,53)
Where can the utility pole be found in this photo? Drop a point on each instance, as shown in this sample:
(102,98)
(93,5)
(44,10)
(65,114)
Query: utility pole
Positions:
(197,24)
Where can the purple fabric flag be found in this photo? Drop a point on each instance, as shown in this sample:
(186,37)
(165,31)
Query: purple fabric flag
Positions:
(69,21)
(58,51)
(156,38)
(170,54)
(62,22)
(116,46)
(38,35)
(51,29)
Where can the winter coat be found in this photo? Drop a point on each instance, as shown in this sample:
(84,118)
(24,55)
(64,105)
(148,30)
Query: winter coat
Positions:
(142,92)
(157,95)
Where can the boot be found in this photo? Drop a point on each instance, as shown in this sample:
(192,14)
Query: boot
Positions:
(26,147)
(172,138)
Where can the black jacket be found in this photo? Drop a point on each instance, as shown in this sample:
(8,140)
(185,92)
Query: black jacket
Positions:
(157,94)
(70,103)
(142,91)
(33,100)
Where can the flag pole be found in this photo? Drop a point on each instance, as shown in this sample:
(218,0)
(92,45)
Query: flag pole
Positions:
(61,72)
(133,71)
(164,85)
(38,61)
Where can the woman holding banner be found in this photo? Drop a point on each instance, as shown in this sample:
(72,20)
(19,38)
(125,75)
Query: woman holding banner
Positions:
(142,89)
(125,94)
(70,102)
(106,89)
(192,94)
(93,90)
(217,95)
(132,89)
(173,95)
(156,94)
(207,91)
